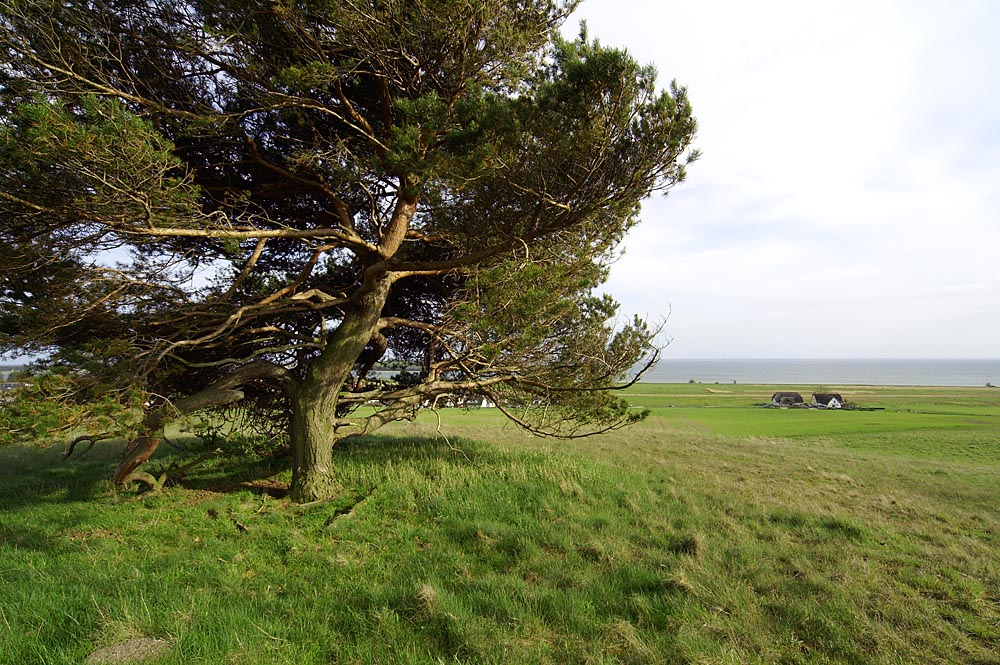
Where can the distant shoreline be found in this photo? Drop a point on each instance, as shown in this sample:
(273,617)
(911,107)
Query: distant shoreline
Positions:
(861,372)
(944,372)
(710,386)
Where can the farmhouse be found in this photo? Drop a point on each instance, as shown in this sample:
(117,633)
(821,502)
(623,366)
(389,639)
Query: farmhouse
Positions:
(828,400)
(786,399)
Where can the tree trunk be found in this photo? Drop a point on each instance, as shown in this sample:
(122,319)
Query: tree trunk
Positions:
(314,404)
(312,437)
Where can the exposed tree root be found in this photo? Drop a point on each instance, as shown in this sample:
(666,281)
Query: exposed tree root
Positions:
(173,473)
(155,484)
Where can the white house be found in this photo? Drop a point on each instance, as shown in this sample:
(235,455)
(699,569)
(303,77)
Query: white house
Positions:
(828,400)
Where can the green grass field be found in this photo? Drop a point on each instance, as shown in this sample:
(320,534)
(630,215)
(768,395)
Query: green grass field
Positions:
(714,532)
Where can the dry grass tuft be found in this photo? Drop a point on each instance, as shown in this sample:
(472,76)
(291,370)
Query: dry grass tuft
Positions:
(690,544)
(681,583)
(427,599)
(623,644)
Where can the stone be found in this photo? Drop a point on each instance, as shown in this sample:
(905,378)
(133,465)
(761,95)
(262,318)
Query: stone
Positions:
(131,651)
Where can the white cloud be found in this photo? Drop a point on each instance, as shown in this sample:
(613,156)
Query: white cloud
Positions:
(850,184)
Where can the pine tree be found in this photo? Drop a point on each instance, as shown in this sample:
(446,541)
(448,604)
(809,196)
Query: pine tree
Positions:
(244,207)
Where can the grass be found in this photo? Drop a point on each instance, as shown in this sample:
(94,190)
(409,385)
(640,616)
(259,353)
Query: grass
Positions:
(706,535)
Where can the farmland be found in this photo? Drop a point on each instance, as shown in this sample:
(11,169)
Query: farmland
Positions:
(714,532)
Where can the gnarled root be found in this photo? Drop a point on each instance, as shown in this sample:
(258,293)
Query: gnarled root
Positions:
(155,484)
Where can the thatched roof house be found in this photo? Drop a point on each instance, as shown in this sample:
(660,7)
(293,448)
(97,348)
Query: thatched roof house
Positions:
(786,399)
(828,400)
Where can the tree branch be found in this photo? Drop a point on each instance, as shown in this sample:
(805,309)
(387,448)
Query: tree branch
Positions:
(225,390)
(247,269)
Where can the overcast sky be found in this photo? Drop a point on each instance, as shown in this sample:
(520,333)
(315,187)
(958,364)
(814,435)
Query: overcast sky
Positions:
(847,204)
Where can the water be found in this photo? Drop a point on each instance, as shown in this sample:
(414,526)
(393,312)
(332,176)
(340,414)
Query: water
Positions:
(818,372)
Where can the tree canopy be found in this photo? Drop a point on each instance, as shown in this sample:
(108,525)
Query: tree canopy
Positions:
(245,205)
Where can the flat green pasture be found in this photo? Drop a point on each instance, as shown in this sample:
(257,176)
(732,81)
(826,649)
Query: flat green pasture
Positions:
(799,423)
(981,400)
(713,532)
(736,411)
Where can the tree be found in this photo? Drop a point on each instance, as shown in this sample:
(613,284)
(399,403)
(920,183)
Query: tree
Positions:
(212,204)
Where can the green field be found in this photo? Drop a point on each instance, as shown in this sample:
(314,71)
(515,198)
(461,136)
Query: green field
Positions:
(714,532)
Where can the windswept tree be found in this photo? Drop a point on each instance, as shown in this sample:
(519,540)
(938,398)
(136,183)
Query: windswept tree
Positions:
(244,205)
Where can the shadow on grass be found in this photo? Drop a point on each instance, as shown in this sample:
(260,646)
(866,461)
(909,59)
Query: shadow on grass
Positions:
(395,448)
(42,495)
(257,475)
(228,474)
(30,476)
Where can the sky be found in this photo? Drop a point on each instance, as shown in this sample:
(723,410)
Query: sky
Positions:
(847,204)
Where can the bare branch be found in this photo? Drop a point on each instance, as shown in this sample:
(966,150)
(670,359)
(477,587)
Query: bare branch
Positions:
(247,269)
(225,390)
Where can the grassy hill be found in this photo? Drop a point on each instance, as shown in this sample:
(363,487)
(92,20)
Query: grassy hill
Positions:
(715,532)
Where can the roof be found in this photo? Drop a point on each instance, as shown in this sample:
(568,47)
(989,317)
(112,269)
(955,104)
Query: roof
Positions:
(824,398)
(787,395)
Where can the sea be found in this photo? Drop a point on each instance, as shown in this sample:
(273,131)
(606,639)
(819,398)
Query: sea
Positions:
(822,372)
(817,371)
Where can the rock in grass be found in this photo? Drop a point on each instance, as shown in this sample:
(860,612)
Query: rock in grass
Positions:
(131,651)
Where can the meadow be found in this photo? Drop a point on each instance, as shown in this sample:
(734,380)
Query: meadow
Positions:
(714,532)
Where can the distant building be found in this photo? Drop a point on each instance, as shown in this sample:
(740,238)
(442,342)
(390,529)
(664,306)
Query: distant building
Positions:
(828,400)
(7,389)
(786,399)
